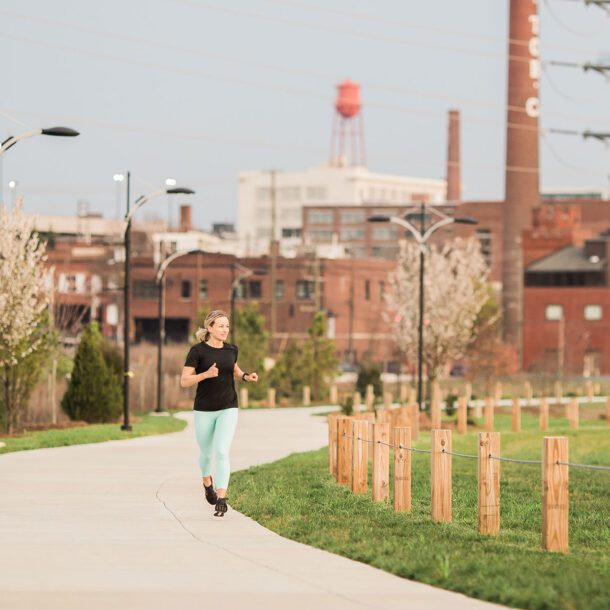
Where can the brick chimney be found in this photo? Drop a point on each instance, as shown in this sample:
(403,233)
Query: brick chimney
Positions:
(453,158)
(522,191)
(185,218)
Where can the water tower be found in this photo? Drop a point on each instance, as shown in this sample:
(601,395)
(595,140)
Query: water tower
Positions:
(347,144)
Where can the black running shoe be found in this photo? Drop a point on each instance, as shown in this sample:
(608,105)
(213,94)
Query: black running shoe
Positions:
(221,507)
(210,492)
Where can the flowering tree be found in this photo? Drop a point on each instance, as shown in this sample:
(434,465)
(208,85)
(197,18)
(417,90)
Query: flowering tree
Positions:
(23,305)
(455,290)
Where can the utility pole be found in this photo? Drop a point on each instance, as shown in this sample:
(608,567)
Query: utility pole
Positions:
(273,254)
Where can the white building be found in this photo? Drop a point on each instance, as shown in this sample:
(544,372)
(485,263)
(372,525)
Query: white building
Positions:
(180,241)
(324,185)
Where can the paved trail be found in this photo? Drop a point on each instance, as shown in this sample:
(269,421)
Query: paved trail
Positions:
(123,526)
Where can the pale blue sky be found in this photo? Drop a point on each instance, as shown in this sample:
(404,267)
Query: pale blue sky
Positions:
(199,90)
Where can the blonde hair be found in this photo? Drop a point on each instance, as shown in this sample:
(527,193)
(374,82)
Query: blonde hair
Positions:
(203,334)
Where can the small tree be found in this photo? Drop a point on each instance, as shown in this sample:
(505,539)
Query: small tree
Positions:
(253,344)
(23,301)
(287,374)
(93,394)
(369,374)
(455,290)
(319,361)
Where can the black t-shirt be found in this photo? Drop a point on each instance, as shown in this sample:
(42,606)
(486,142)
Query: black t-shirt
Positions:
(215,393)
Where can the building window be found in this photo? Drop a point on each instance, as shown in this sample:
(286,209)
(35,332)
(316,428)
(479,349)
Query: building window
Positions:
(289,193)
(143,289)
(316,193)
(240,290)
(593,312)
(320,217)
(385,233)
(352,216)
(553,312)
(185,289)
(320,236)
(203,289)
(349,234)
(279,289)
(367,290)
(291,310)
(255,289)
(381,290)
(304,289)
(291,232)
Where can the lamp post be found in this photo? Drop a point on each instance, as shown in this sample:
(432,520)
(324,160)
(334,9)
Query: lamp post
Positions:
(64,132)
(127,374)
(160,279)
(118,180)
(421,236)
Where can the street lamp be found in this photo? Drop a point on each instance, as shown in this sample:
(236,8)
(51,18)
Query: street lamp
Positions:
(160,279)
(118,179)
(63,132)
(127,242)
(421,236)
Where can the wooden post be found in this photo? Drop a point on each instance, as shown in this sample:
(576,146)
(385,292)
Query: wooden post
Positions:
(558,392)
(544,413)
(360,462)
(589,390)
(412,395)
(381,462)
(414,420)
(345,450)
(368,447)
(435,412)
(462,417)
(369,397)
(333,419)
(555,478)
(306,395)
(334,395)
(516,415)
(357,401)
(271,397)
(573,415)
(387,400)
(441,475)
(489,414)
(243,398)
(489,483)
(597,388)
(402,469)
(528,393)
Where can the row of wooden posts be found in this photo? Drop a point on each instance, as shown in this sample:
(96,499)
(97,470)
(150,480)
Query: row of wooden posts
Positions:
(353,441)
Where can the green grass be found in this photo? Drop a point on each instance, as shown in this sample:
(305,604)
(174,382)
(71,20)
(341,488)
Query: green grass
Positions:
(144,425)
(297,498)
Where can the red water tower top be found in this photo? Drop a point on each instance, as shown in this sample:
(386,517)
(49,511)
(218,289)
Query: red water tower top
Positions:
(348,99)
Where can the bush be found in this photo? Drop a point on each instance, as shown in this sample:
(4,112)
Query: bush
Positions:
(94,394)
(369,373)
(450,404)
(114,361)
(347,406)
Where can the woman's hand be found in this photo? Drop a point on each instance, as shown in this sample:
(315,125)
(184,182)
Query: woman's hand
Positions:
(251,377)
(211,372)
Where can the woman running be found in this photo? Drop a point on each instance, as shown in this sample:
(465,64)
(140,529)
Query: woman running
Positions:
(212,365)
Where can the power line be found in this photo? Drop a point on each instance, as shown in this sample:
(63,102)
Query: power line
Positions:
(275,67)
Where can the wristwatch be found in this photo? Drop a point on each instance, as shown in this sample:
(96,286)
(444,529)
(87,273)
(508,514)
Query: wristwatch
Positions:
(244,375)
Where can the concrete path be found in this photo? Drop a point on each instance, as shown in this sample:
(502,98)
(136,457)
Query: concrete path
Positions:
(123,525)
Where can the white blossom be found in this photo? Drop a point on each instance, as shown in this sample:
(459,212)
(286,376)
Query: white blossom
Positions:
(454,292)
(22,284)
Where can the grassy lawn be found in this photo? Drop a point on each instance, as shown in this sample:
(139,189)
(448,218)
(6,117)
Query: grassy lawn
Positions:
(143,424)
(297,498)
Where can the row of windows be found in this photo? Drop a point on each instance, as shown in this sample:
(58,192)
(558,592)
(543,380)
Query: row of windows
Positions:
(590,312)
(304,289)
(350,234)
(292,193)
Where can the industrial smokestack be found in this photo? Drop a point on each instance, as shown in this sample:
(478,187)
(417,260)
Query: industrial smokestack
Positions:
(522,191)
(185,218)
(453,158)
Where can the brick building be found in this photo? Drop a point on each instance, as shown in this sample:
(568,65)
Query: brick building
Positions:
(567,311)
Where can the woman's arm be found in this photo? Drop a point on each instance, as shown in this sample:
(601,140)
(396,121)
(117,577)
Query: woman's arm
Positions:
(189,377)
(238,374)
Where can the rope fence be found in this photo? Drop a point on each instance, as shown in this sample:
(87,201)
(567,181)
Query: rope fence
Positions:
(354,441)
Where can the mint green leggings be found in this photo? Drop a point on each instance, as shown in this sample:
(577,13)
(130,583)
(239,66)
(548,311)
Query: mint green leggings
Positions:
(215,431)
